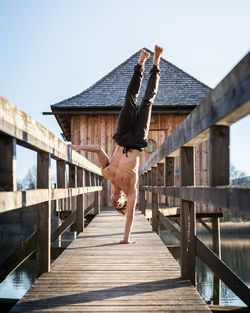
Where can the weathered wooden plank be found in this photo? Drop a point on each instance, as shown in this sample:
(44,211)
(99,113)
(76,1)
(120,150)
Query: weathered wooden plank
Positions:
(187,216)
(225,105)
(80,202)
(8,163)
(155,202)
(218,156)
(13,200)
(233,198)
(61,183)
(43,237)
(33,135)
(96,273)
(142,196)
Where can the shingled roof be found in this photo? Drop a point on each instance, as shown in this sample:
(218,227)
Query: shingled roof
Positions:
(178,92)
(176,88)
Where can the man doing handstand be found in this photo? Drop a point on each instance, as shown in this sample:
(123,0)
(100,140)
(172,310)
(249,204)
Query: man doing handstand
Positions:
(131,138)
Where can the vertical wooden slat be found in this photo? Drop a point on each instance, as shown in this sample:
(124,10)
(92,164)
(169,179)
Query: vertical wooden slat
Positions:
(8,163)
(218,175)
(149,195)
(43,215)
(155,201)
(142,200)
(80,203)
(160,177)
(187,213)
(219,156)
(217,250)
(169,174)
(72,184)
(61,183)
(96,196)
(169,171)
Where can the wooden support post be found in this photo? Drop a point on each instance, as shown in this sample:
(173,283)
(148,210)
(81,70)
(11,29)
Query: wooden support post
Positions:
(155,202)
(218,156)
(61,183)
(8,163)
(96,196)
(160,176)
(142,199)
(217,250)
(169,174)
(187,217)
(43,215)
(219,170)
(80,204)
(72,184)
(102,195)
(149,198)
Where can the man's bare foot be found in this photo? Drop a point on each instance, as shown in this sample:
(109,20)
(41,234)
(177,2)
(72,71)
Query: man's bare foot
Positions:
(144,55)
(126,241)
(157,55)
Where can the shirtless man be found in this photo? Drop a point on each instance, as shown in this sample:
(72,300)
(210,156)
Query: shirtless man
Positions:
(131,138)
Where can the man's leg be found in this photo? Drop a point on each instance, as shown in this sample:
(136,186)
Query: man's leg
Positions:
(144,116)
(127,114)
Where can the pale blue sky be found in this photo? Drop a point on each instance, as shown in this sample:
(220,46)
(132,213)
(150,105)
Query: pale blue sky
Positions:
(54,49)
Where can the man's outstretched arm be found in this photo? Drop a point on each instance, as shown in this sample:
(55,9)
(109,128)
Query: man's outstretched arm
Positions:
(101,154)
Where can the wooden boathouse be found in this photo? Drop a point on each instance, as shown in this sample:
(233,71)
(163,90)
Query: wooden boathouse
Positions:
(91,116)
(95,273)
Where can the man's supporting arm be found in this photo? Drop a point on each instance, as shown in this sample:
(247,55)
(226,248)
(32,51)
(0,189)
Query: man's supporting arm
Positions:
(132,197)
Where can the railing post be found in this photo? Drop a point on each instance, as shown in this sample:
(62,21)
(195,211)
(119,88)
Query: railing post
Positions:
(96,196)
(187,217)
(142,200)
(80,205)
(102,197)
(8,163)
(149,176)
(43,215)
(169,174)
(218,175)
(160,175)
(155,201)
(61,183)
(73,199)
(72,184)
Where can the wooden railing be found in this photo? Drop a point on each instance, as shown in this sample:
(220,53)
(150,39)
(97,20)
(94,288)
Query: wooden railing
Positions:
(16,127)
(211,120)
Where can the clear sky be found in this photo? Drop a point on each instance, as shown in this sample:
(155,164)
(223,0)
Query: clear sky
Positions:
(54,49)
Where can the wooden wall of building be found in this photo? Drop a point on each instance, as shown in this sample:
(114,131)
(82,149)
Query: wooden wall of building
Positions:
(99,129)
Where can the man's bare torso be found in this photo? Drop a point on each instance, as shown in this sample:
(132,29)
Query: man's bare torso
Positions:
(122,170)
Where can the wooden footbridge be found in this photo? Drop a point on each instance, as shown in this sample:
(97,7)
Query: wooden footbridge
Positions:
(96,273)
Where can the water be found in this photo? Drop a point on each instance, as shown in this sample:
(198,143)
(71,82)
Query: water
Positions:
(17,283)
(235,253)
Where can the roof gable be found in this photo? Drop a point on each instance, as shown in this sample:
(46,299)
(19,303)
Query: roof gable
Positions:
(176,88)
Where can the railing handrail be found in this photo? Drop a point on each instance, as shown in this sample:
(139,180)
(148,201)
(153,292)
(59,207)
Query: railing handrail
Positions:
(16,127)
(31,134)
(224,105)
(211,120)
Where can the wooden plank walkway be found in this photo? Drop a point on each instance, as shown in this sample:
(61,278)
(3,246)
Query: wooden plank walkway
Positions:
(96,274)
